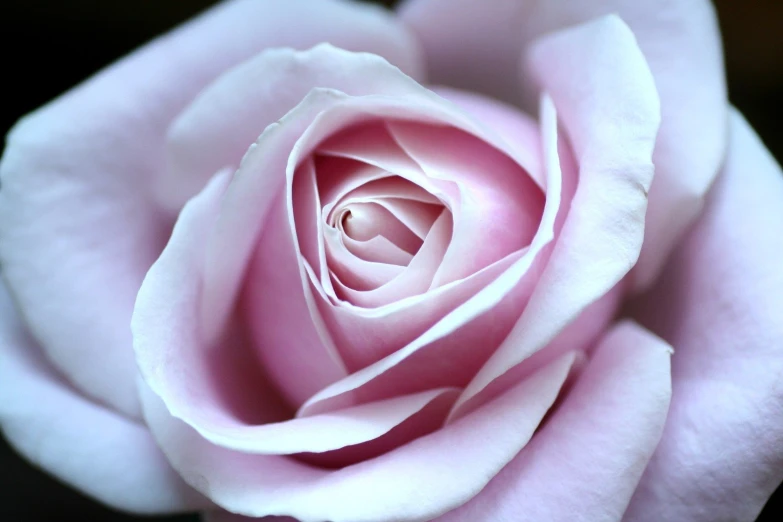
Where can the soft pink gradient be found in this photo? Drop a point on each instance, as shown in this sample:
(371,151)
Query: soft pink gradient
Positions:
(384,301)
(719,302)
(480,46)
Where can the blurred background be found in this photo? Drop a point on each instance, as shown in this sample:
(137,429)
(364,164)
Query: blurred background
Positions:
(49,46)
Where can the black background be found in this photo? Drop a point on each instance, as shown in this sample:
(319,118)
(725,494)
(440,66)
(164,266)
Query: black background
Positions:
(49,46)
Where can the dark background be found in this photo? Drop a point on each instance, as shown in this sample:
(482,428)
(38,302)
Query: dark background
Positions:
(50,45)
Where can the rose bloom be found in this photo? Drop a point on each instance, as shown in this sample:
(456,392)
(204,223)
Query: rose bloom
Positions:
(472,261)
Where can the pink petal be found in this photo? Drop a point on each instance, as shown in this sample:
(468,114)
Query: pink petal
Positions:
(354,271)
(370,219)
(322,114)
(79,228)
(217,389)
(585,462)
(719,303)
(417,481)
(97,451)
(447,344)
(232,112)
(378,249)
(263,170)
(293,346)
(414,279)
(612,125)
(517,129)
(475,47)
(493,192)
(428,419)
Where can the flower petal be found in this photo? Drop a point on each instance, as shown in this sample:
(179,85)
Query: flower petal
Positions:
(585,462)
(719,302)
(78,226)
(599,81)
(97,451)
(494,191)
(417,481)
(476,45)
(451,342)
(263,171)
(217,128)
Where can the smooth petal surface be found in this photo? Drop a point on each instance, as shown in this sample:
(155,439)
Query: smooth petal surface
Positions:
(460,340)
(78,226)
(218,127)
(586,460)
(414,482)
(93,449)
(719,303)
(267,165)
(608,105)
(477,45)
(280,149)
(198,381)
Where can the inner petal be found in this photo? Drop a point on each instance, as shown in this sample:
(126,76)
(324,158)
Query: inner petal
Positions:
(364,221)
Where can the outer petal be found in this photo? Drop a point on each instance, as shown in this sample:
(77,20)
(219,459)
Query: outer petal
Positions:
(601,85)
(78,228)
(97,451)
(414,482)
(219,126)
(720,303)
(475,45)
(584,463)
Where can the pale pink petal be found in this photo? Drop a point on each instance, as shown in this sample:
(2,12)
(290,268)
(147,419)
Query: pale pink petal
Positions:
(362,221)
(599,81)
(95,450)
(517,129)
(198,379)
(585,462)
(424,421)
(217,388)
(231,113)
(378,249)
(280,149)
(78,227)
(277,304)
(720,302)
(217,128)
(274,157)
(443,344)
(371,144)
(321,434)
(418,217)
(414,279)
(477,45)
(354,271)
(339,176)
(493,192)
(417,481)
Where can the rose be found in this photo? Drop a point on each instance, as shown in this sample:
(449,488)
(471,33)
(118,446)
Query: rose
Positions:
(102,150)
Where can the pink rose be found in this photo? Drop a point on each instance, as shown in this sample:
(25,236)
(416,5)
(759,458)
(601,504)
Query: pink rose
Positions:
(383,300)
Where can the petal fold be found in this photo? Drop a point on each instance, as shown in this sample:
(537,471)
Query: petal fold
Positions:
(99,452)
(719,302)
(606,97)
(415,482)
(585,461)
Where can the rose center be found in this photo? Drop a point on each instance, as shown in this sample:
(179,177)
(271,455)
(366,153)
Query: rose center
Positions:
(366,221)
